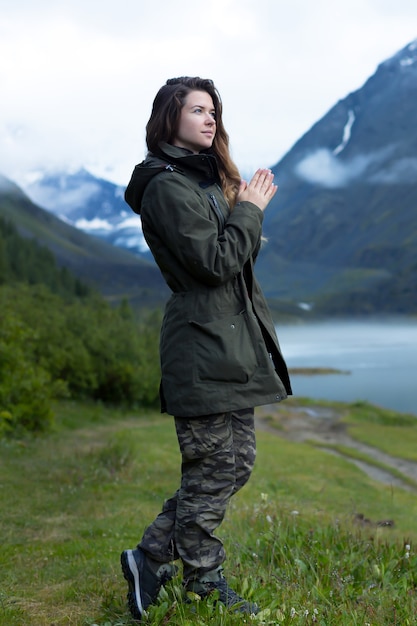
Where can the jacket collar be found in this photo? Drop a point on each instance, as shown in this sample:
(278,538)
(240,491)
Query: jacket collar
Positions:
(202,164)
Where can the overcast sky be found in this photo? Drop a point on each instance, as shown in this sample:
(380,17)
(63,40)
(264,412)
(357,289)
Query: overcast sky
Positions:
(78,77)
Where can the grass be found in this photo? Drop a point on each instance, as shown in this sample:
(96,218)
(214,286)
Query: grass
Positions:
(393,433)
(71,501)
(316,371)
(352,453)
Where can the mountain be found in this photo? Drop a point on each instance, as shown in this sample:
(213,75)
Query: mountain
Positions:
(114,272)
(91,204)
(342,229)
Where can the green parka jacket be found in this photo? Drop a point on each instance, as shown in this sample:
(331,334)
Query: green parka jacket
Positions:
(218,347)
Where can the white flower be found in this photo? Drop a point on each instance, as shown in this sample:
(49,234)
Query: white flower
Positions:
(269,519)
(292,612)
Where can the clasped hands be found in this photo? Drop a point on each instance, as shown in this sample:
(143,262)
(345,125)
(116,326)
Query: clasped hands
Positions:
(260,190)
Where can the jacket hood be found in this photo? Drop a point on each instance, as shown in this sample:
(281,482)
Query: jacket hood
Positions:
(169,158)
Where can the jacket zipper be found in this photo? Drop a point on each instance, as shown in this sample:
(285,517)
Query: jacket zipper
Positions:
(217,210)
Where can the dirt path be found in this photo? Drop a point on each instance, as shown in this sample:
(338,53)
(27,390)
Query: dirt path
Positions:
(323,425)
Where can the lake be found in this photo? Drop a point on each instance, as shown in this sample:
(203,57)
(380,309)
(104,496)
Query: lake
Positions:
(381,356)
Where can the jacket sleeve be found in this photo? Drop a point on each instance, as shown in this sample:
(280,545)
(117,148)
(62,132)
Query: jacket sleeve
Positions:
(182,219)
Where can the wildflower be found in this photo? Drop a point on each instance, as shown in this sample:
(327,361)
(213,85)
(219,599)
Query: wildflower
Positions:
(292,612)
(269,519)
(407,550)
(295,513)
(280,615)
(264,497)
(306,613)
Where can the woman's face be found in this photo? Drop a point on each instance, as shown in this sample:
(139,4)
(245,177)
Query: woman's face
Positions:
(197,125)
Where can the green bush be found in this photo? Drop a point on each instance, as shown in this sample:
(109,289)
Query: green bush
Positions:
(81,345)
(25,388)
(58,336)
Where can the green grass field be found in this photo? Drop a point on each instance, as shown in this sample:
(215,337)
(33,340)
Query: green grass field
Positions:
(72,500)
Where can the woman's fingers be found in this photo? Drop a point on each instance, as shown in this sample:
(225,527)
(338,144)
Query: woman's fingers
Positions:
(260,190)
(262,180)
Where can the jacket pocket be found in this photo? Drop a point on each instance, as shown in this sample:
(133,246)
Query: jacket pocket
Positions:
(223,350)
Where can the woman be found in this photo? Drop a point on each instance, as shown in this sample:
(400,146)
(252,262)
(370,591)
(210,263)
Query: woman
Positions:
(220,356)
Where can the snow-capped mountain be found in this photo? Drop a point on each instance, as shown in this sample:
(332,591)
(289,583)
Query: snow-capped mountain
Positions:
(344,220)
(91,204)
(113,271)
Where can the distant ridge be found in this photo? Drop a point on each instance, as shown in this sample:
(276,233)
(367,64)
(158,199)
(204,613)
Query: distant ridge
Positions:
(92,204)
(113,271)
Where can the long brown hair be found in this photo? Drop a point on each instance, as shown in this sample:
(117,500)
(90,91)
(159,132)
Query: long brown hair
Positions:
(164,120)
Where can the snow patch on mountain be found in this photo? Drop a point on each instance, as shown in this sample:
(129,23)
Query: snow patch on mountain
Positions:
(405,57)
(407,61)
(92,225)
(411,55)
(134,243)
(347,132)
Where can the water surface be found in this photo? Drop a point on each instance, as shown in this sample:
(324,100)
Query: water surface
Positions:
(381,356)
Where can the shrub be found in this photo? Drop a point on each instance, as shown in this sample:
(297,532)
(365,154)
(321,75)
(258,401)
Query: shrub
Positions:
(25,388)
(79,345)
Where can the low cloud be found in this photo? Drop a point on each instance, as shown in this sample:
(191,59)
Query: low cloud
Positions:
(400,172)
(323,168)
(64,199)
(6,185)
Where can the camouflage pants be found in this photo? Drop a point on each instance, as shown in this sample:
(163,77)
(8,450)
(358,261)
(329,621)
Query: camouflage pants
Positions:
(218,454)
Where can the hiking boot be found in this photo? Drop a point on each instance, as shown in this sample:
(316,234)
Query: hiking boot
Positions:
(205,587)
(145,578)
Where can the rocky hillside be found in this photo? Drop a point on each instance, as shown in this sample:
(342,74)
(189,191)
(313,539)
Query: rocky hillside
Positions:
(342,230)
